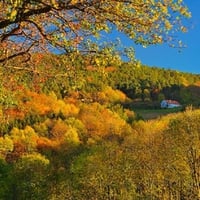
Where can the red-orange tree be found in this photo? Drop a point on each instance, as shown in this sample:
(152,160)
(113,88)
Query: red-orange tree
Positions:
(29,25)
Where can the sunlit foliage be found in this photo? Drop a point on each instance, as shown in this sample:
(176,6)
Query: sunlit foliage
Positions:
(65,25)
(81,138)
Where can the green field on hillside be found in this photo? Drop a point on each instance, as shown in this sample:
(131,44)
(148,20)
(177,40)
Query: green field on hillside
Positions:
(147,114)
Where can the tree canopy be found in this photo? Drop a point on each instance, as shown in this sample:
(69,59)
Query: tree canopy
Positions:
(64,25)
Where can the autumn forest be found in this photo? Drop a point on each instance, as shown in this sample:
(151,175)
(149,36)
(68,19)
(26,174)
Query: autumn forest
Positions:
(70,121)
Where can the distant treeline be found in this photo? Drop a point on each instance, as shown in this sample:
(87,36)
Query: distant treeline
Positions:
(88,74)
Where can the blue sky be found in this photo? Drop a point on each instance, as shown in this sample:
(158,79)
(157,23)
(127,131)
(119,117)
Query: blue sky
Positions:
(188,60)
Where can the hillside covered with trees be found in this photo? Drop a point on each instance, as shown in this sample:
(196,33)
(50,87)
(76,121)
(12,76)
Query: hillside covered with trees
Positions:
(66,133)
(68,125)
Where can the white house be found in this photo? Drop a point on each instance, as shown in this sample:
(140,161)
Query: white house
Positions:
(169,104)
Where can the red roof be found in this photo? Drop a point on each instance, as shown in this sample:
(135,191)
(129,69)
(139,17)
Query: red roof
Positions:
(172,102)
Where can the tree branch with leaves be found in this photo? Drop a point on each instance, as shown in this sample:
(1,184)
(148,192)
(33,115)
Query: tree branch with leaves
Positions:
(49,25)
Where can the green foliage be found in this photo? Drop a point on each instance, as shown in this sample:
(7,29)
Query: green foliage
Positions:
(7,97)
(30,173)
(27,137)
(183,135)
(6,145)
(103,173)
(6,179)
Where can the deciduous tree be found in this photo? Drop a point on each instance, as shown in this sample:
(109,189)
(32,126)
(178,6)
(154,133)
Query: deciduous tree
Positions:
(30,25)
